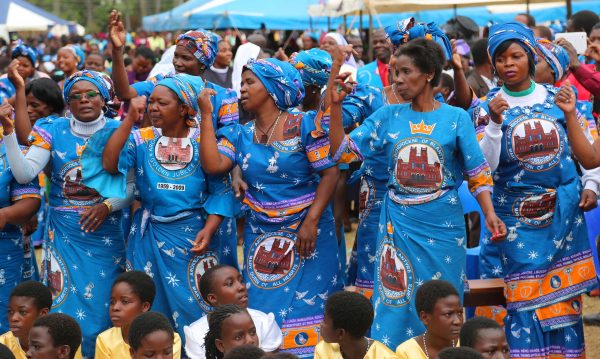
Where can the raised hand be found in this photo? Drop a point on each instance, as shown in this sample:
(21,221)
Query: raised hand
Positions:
(204,102)
(565,98)
(14,76)
(497,106)
(573,57)
(116,30)
(6,113)
(342,88)
(137,107)
(456,60)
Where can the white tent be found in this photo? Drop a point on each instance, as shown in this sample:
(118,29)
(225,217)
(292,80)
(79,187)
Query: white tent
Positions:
(19,15)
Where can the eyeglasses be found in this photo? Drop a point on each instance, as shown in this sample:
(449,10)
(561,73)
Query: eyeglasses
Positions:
(78,96)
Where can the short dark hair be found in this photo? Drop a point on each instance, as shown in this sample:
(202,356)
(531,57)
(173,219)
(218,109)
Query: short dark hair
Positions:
(350,311)
(595,27)
(148,323)
(584,19)
(141,284)
(426,55)
(430,292)
(459,353)
(5,353)
(42,297)
(471,328)
(146,53)
(47,91)
(206,281)
(215,324)
(245,351)
(280,355)
(63,330)
(505,45)
(530,19)
(479,52)
(545,32)
(447,81)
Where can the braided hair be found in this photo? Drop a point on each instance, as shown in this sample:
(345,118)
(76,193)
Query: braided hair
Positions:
(215,324)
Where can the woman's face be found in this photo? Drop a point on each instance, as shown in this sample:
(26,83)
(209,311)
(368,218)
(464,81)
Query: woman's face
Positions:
(512,66)
(85,101)
(409,79)
(164,108)
(446,318)
(36,108)
(544,73)
(236,330)
(26,68)
(253,92)
(224,55)
(67,61)
(328,43)
(185,62)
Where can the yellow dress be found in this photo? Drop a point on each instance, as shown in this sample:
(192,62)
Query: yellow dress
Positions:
(13,344)
(410,349)
(377,350)
(110,344)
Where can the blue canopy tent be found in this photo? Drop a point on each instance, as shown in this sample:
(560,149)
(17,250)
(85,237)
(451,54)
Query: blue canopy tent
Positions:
(241,14)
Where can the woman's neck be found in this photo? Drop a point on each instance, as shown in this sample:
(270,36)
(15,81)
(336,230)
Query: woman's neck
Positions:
(265,116)
(354,349)
(179,131)
(424,102)
(125,333)
(520,86)
(87,129)
(220,66)
(435,344)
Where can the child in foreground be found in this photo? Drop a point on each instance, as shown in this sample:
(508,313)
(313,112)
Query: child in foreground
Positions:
(229,326)
(222,285)
(54,336)
(151,336)
(486,337)
(132,294)
(347,318)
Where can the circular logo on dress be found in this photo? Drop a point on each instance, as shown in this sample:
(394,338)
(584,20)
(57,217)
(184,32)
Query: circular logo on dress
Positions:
(55,275)
(395,273)
(535,210)
(273,261)
(197,266)
(555,282)
(366,196)
(535,141)
(173,157)
(301,338)
(76,193)
(418,168)
(576,305)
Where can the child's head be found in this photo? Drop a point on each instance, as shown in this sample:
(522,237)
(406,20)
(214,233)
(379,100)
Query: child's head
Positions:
(27,302)
(459,353)
(348,315)
(222,285)
(151,336)
(439,308)
(486,337)
(94,62)
(54,336)
(5,353)
(43,99)
(132,294)
(446,85)
(281,355)
(245,352)
(143,61)
(229,326)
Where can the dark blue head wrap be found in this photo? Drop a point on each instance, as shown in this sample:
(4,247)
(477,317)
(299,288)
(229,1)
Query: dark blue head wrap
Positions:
(23,50)
(282,81)
(408,29)
(314,66)
(78,53)
(187,88)
(555,56)
(101,81)
(513,30)
(202,44)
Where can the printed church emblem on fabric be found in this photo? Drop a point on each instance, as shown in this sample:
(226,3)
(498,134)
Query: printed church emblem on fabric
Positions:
(273,260)
(74,191)
(395,273)
(418,165)
(172,157)
(55,275)
(536,209)
(197,266)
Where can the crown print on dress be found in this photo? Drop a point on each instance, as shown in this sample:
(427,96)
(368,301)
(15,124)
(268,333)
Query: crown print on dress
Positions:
(421,127)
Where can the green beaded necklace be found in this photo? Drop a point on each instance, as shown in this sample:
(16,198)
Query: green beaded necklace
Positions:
(520,93)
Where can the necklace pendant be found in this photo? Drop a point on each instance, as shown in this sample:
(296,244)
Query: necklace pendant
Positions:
(264,139)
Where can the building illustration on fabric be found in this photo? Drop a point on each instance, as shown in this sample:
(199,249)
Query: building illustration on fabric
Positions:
(53,275)
(74,189)
(173,153)
(534,139)
(363,196)
(275,257)
(538,207)
(418,167)
(201,268)
(391,271)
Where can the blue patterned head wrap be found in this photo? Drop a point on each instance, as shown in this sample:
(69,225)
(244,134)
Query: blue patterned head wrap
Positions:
(314,66)
(187,88)
(513,30)
(78,53)
(282,81)
(102,82)
(24,50)
(202,44)
(408,29)
(555,56)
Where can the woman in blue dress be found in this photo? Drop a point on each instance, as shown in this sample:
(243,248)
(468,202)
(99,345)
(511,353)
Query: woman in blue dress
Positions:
(290,248)
(18,204)
(181,206)
(428,146)
(546,259)
(84,250)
